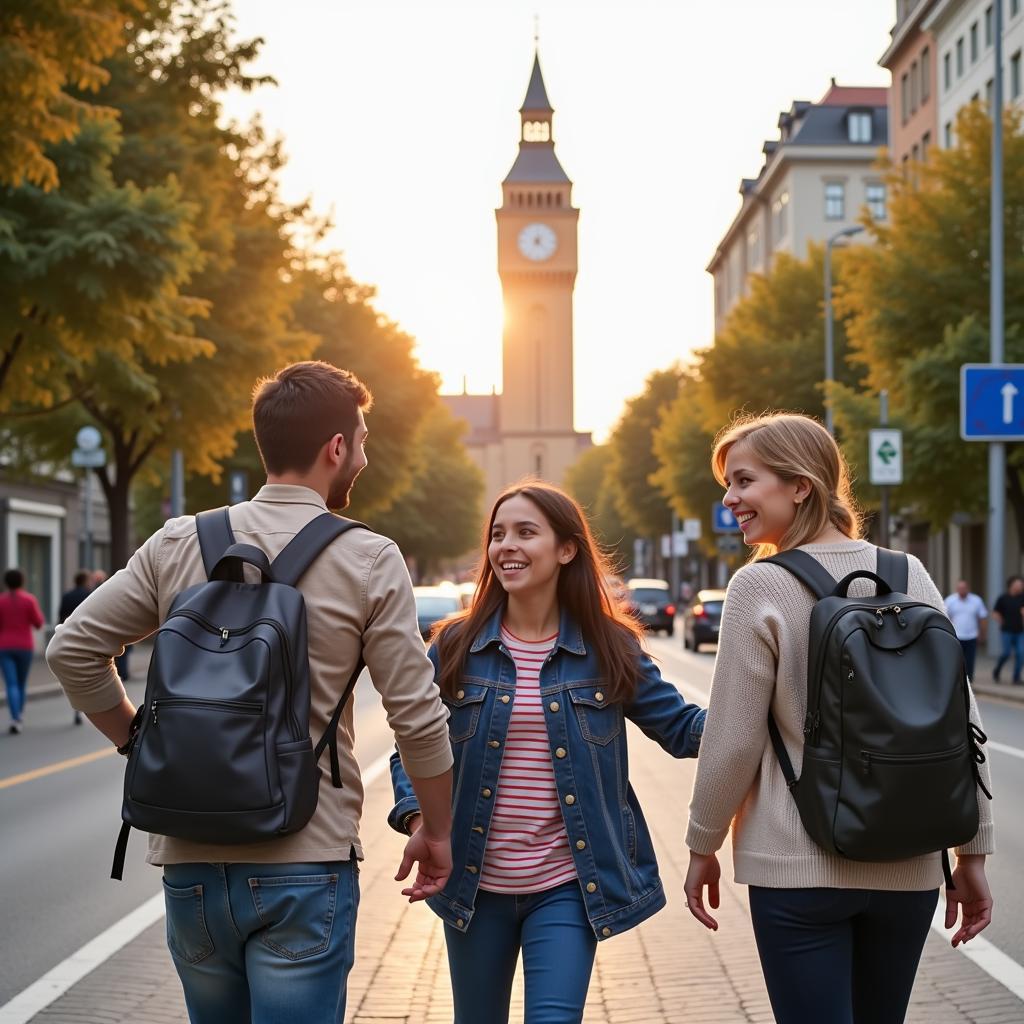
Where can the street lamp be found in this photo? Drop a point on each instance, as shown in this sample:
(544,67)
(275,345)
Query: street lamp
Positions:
(829,344)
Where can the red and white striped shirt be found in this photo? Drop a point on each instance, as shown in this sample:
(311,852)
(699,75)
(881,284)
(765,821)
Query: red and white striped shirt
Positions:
(527,848)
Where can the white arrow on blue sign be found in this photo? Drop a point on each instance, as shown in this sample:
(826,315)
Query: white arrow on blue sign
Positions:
(992,402)
(722,520)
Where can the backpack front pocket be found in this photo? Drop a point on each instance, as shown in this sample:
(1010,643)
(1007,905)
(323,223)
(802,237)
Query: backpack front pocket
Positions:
(199,754)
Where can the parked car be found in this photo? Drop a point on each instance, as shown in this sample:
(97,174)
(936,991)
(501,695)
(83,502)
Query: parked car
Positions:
(651,602)
(702,618)
(433,604)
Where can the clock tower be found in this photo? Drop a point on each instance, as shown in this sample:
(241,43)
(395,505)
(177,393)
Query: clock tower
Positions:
(537,227)
(527,430)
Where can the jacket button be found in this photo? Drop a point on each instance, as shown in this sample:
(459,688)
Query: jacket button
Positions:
(599,695)
(459,922)
(478,828)
(505,698)
(580,845)
(591,886)
(493,743)
(471,869)
(570,799)
(460,694)
(553,706)
(560,752)
(606,932)
(485,792)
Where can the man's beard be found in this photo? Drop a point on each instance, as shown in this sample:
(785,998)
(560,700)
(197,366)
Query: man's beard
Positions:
(341,487)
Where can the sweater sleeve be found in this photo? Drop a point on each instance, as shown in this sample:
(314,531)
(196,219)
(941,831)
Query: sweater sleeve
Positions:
(921,585)
(736,729)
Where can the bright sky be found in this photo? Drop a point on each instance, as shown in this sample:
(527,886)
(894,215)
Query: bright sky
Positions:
(401,117)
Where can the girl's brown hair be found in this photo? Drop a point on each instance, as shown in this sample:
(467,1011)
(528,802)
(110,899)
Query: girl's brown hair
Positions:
(582,592)
(794,446)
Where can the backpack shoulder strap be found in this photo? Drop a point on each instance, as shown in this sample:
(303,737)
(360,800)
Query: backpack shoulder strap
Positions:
(809,571)
(302,550)
(894,568)
(215,536)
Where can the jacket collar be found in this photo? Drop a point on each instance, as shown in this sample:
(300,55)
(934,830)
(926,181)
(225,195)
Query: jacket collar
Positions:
(290,494)
(570,637)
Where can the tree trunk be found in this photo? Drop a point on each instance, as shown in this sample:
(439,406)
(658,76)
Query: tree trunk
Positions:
(117,493)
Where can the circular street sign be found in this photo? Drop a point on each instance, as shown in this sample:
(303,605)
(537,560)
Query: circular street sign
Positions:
(88,439)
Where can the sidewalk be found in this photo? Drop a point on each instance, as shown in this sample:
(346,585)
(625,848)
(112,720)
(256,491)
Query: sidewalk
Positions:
(667,971)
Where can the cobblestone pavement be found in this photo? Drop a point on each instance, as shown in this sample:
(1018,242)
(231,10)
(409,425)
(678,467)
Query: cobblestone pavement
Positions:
(669,970)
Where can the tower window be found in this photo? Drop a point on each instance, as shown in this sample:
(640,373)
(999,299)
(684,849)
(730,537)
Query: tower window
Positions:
(538,464)
(558,199)
(536,131)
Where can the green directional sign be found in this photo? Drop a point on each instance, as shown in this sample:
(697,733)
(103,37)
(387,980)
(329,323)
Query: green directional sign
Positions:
(885,450)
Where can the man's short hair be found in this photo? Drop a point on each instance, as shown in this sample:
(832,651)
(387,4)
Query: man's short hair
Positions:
(298,410)
(14,578)
(81,578)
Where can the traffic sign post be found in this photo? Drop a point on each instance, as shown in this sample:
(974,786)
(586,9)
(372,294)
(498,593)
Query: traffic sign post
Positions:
(992,402)
(722,520)
(886,451)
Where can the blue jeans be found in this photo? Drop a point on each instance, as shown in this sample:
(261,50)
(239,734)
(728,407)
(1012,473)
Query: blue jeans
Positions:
(263,943)
(558,947)
(970,649)
(1012,643)
(840,956)
(15,666)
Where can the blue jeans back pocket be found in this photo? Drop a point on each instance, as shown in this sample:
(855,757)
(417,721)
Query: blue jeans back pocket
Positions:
(187,937)
(297,912)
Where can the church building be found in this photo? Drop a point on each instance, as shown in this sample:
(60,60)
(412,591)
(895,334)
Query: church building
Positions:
(527,430)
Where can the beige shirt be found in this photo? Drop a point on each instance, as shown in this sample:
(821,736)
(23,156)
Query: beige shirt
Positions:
(358,587)
(762,665)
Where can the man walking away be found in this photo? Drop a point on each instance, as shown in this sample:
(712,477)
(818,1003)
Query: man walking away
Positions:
(69,601)
(968,614)
(1008,613)
(265,931)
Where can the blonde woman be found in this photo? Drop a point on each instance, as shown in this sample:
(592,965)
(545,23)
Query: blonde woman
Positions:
(839,939)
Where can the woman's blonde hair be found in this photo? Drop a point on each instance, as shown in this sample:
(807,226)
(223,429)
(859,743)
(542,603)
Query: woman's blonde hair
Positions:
(793,446)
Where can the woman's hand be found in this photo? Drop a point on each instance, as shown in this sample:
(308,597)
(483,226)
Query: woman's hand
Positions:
(972,895)
(704,870)
(433,857)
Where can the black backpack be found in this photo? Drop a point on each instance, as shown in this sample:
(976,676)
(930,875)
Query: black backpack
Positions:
(220,749)
(890,762)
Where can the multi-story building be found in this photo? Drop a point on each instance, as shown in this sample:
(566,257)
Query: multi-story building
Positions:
(816,178)
(963,31)
(912,59)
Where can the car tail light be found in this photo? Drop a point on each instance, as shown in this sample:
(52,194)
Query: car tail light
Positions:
(698,612)
(670,609)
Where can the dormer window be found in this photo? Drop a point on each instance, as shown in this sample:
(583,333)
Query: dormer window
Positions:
(536,131)
(858,125)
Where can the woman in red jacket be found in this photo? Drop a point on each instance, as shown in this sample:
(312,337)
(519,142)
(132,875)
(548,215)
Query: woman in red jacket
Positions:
(19,615)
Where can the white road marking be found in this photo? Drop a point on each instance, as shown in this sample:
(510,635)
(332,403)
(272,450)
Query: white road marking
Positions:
(992,960)
(52,985)
(1004,748)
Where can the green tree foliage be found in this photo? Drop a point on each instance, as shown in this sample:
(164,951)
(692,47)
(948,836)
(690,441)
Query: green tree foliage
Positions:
(438,516)
(633,465)
(50,54)
(589,481)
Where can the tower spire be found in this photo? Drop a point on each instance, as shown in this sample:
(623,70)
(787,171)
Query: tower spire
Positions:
(536,94)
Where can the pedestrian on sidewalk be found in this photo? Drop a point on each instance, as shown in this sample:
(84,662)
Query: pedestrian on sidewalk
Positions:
(19,615)
(839,939)
(551,853)
(967,612)
(1009,613)
(265,931)
(69,601)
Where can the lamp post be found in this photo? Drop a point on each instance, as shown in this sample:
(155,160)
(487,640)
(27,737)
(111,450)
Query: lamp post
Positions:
(829,343)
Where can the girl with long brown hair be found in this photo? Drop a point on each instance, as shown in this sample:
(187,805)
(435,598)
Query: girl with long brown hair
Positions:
(550,850)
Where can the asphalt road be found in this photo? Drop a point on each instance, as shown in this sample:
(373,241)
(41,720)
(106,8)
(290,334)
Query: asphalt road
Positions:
(1004,724)
(59,829)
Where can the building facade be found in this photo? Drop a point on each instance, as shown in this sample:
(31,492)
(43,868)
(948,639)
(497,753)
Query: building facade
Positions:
(816,179)
(964,44)
(912,59)
(527,430)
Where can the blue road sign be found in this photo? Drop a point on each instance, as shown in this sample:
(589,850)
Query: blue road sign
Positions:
(992,402)
(722,520)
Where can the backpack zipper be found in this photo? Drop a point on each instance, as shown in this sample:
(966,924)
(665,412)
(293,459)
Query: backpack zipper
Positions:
(242,707)
(224,633)
(882,757)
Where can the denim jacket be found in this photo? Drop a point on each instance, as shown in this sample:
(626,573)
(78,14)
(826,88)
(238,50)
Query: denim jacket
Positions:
(608,837)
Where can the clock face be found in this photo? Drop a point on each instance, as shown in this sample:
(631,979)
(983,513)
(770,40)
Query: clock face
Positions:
(537,242)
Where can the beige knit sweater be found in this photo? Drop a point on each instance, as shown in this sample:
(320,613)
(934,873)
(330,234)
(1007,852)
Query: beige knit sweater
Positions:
(762,665)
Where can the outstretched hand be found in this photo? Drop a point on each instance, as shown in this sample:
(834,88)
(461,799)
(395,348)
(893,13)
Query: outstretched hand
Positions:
(433,858)
(704,870)
(970,896)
